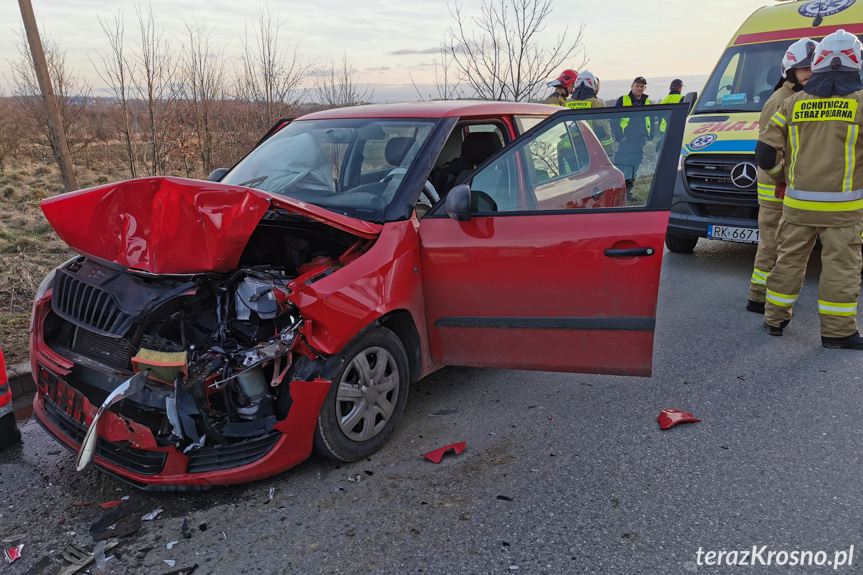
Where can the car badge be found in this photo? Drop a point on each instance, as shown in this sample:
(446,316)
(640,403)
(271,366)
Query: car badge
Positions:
(744,175)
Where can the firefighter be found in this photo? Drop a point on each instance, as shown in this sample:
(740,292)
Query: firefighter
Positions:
(9,434)
(631,136)
(562,88)
(796,71)
(584,96)
(819,130)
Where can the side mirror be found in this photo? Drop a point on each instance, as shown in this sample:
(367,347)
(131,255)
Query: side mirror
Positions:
(458,203)
(690,98)
(217,174)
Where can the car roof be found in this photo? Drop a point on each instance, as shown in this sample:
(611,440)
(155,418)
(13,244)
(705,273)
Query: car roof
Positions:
(434,109)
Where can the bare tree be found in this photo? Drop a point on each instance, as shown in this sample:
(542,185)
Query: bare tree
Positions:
(203,70)
(271,77)
(339,88)
(499,54)
(157,69)
(11,131)
(118,73)
(71,92)
(446,85)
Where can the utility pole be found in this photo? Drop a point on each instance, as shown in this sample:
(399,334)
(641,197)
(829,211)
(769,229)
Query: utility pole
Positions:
(55,122)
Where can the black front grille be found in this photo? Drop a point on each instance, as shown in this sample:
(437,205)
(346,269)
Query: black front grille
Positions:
(154,419)
(87,305)
(709,177)
(216,457)
(135,460)
(116,352)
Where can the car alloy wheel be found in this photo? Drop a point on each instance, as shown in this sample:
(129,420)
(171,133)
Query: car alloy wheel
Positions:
(366,399)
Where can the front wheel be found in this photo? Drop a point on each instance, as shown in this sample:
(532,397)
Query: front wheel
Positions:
(680,244)
(366,399)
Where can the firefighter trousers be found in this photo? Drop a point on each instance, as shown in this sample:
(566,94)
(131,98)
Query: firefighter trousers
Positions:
(838,287)
(765,257)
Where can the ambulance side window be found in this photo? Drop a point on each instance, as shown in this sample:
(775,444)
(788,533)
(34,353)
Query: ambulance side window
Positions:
(728,78)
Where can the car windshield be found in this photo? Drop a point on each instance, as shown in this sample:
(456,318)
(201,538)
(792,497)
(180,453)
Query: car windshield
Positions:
(350,166)
(744,78)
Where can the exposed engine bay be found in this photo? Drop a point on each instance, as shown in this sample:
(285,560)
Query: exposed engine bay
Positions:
(216,347)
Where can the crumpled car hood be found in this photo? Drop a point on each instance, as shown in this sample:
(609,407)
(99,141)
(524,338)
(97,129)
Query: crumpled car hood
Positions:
(174,225)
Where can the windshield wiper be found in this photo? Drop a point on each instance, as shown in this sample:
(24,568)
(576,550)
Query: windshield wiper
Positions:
(253,182)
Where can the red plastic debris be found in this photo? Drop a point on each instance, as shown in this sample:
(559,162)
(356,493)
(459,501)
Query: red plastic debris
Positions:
(437,454)
(671,417)
(108,504)
(13,554)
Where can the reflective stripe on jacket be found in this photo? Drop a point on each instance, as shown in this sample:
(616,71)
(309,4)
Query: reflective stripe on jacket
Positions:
(628,100)
(823,155)
(673,98)
(599,127)
(766,182)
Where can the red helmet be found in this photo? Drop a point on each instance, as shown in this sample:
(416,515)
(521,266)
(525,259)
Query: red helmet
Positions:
(567,79)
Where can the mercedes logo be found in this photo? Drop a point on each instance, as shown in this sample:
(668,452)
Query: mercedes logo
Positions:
(744,174)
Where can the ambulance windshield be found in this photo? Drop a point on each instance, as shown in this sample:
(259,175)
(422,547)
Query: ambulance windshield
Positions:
(744,78)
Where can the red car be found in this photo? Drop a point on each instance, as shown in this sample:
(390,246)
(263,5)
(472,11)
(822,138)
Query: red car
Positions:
(215,332)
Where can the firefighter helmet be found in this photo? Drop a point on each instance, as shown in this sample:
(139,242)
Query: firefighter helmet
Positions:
(588,80)
(566,79)
(838,52)
(798,55)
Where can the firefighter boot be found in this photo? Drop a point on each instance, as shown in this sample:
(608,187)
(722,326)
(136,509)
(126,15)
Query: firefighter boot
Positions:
(853,341)
(755,306)
(777,331)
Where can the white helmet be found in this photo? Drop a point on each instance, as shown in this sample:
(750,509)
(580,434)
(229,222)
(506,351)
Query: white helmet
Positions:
(798,55)
(838,52)
(587,79)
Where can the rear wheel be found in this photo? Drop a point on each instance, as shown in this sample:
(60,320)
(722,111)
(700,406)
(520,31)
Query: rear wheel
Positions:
(680,244)
(366,399)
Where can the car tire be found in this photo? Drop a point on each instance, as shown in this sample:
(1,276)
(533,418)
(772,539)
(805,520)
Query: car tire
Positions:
(680,244)
(359,413)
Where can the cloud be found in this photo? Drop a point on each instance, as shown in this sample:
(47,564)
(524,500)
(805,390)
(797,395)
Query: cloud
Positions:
(407,51)
(378,69)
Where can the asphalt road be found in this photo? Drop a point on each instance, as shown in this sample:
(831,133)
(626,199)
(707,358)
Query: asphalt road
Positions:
(562,473)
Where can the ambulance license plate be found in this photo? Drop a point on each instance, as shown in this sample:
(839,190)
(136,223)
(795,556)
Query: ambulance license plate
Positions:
(732,234)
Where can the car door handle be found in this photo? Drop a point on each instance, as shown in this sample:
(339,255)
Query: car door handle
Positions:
(630,252)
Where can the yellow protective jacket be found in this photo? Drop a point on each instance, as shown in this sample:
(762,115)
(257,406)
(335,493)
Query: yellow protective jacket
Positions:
(824,158)
(767,182)
(557,98)
(601,128)
(673,98)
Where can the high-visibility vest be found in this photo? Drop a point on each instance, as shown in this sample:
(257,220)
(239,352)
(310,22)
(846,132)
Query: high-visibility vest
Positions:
(624,122)
(603,131)
(669,99)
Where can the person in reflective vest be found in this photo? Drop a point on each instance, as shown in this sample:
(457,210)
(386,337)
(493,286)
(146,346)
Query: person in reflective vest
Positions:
(584,97)
(9,434)
(796,70)
(562,85)
(818,130)
(631,136)
(674,97)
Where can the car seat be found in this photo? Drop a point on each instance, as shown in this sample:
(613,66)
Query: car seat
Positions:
(772,78)
(397,149)
(476,148)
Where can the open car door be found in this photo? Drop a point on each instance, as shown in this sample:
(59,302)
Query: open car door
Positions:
(548,256)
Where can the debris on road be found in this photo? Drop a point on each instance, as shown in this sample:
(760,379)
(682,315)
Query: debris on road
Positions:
(504,498)
(170,545)
(170,562)
(152,515)
(124,519)
(436,455)
(79,558)
(354,478)
(13,554)
(183,571)
(271,493)
(671,417)
(185,529)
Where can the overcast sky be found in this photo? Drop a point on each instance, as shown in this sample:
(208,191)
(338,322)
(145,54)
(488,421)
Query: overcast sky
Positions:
(387,39)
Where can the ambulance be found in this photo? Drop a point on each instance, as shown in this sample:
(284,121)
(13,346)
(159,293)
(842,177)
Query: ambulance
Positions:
(715,193)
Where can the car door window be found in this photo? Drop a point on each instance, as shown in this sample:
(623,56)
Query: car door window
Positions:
(595,161)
